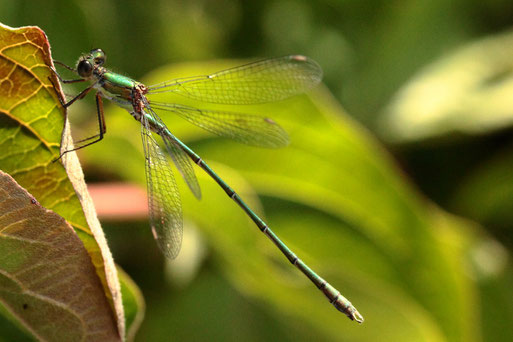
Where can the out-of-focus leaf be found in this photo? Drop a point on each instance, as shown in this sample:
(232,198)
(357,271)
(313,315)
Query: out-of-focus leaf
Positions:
(48,283)
(335,197)
(31,121)
(485,194)
(467,91)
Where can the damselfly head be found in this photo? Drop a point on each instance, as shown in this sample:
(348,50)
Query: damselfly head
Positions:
(90,61)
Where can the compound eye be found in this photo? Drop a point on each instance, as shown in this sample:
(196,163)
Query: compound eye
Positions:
(84,68)
(98,56)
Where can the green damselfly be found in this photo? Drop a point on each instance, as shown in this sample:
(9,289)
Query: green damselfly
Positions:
(258,82)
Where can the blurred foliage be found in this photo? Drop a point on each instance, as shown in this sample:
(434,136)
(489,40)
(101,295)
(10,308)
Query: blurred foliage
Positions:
(415,272)
(452,94)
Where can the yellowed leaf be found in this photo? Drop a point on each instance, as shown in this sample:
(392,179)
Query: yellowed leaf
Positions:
(47,281)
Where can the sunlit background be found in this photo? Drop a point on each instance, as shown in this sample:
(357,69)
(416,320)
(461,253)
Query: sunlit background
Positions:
(403,199)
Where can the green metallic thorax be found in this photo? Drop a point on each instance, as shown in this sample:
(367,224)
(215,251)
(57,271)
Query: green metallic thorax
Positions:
(117,85)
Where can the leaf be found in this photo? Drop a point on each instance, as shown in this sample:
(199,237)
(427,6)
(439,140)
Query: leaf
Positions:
(47,281)
(484,194)
(468,91)
(31,121)
(133,304)
(337,199)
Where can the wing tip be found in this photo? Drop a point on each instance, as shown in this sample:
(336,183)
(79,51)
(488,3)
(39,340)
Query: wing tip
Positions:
(170,250)
(314,69)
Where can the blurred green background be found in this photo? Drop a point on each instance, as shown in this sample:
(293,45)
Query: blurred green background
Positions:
(403,201)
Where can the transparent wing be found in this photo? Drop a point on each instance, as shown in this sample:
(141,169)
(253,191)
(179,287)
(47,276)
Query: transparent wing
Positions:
(245,128)
(263,81)
(181,160)
(163,196)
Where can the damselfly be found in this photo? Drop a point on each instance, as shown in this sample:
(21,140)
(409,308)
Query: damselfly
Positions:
(263,81)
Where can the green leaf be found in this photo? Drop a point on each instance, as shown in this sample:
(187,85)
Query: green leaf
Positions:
(467,91)
(484,194)
(48,284)
(32,121)
(133,304)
